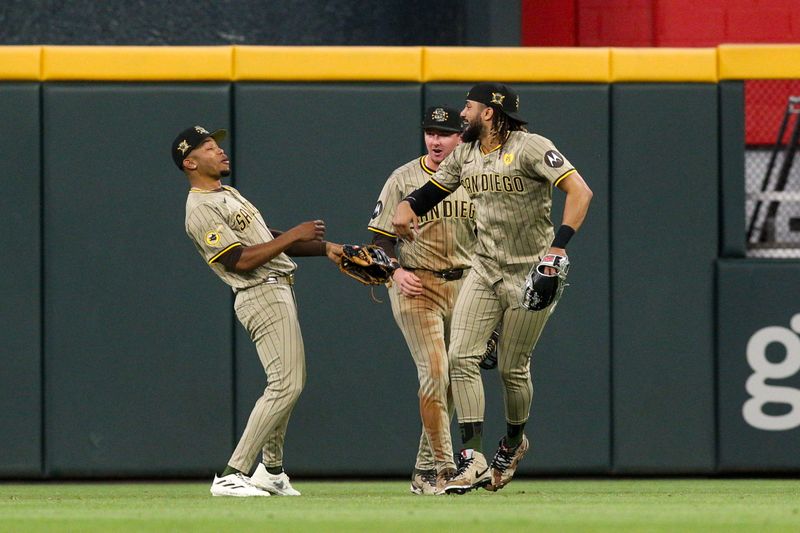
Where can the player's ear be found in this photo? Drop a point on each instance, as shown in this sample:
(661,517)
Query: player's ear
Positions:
(189,164)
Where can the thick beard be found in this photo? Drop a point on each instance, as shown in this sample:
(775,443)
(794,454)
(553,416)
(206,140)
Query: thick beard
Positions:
(472,132)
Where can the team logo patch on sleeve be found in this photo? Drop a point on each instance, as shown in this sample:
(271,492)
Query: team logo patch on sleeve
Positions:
(508,159)
(553,159)
(378,209)
(213,238)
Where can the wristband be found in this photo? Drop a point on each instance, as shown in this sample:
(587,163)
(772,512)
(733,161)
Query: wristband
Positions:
(563,235)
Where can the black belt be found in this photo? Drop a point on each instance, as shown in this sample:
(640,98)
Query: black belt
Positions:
(287,279)
(451,274)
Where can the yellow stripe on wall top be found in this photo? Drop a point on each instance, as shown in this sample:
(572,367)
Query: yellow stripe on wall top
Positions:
(577,65)
(327,63)
(664,64)
(769,61)
(412,64)
(137,63)
(20,62)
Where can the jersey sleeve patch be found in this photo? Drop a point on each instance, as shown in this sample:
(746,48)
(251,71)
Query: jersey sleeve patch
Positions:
(213,238)
(553,159)
(378,210)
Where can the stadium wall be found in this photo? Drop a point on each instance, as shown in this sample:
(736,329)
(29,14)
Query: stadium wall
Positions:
(122,354)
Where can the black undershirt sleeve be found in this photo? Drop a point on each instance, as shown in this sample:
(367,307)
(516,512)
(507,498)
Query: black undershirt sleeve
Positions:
(230,258)
(426,197)
(387,243)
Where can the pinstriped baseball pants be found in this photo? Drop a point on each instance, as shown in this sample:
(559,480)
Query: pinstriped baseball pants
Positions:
(269,314)
(479,308)
(425,323)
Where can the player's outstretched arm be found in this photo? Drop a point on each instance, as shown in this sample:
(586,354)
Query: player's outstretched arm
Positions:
(579,196)
(417,203)
(334,252)
(312,248)
(254,256)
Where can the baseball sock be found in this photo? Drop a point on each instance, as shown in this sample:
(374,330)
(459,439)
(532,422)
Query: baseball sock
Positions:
(514,434)
(274,470)
(230,470)
(471,435)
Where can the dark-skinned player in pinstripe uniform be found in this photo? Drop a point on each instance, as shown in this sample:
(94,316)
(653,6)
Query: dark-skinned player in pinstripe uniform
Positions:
(509,174)
(425,287)
(231,235)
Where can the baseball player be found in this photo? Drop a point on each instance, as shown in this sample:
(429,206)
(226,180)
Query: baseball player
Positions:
(232,237)
(509,174)
(432,270)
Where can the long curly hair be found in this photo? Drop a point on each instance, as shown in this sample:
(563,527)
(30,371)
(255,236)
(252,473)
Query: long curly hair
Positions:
(503,125)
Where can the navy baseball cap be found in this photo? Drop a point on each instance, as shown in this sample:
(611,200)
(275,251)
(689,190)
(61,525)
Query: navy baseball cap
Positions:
(443,119)
(191,138)
(499,96)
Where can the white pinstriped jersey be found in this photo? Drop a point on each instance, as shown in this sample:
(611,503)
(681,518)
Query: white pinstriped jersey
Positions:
(218,221)
(512,191)
(447,232)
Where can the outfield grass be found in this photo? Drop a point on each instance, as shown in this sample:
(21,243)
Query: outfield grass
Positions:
(541,505)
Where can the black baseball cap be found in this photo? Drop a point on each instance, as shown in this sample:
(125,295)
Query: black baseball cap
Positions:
(191,138)
(443,119)
(499,96)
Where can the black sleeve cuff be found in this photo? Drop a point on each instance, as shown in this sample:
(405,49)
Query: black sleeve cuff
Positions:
(426,197)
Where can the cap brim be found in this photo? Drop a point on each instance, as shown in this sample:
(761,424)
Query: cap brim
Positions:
(219,135)
(437,127)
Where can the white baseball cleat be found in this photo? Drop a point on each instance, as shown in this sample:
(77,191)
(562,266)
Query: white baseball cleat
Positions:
(235,485)
(277,484)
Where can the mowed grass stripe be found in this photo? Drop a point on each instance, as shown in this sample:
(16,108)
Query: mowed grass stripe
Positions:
(525,505)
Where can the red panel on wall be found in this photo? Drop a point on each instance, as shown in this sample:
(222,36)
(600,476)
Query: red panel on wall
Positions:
(761,21)
(680,23)
(764,105)
(548,23)
(615,22)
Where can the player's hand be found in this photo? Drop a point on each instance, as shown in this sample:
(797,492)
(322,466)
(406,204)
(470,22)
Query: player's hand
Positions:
(334,252)
(405,221)
(408,283)
(313,230)
(550,271)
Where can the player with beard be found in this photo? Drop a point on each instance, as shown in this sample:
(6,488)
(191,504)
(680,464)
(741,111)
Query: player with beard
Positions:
(509,174)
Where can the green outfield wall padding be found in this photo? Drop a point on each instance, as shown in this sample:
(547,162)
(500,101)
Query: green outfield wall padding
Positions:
(123,357)
(758,365)
(307,151)
(733,226)
(664,240)
(20,284)
(138,333)
(570,365)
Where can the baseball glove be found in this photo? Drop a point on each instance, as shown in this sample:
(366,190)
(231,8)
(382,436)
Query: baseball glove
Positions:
(366,263)
(542,289)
